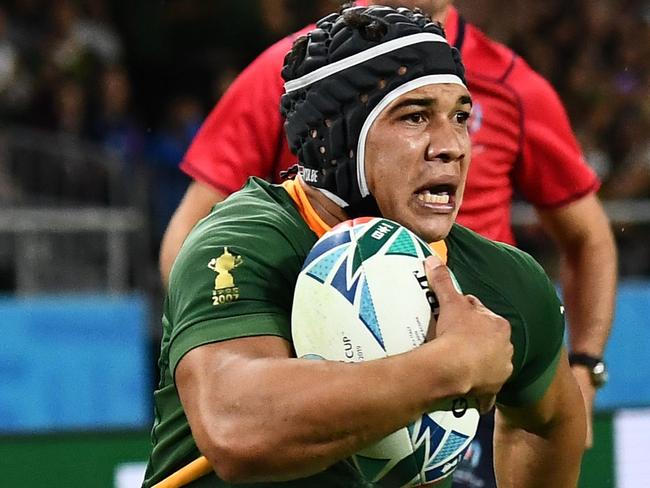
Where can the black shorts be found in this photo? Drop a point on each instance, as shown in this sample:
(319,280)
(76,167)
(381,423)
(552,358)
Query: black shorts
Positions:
(476,470)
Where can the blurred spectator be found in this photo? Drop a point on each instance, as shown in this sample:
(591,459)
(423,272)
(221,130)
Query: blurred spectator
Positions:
(183,118)
(15,84)
(8,190)
(601,69)
(224,76)
(70,108)
(66,50)
(94,30)
(79,42)
(114,124)
(277,17)
(595,155)
(165,152)
(29,22)
(8,55)
(632,176)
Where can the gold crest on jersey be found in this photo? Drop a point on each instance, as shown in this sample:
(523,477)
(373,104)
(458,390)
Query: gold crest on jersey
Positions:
(224,290)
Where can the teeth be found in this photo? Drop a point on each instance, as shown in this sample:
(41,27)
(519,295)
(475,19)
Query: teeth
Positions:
(427,197)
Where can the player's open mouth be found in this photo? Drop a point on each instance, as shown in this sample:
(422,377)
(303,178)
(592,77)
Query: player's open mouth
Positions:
(441,197)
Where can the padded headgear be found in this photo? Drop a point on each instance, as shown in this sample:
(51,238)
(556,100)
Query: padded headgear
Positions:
(339,79)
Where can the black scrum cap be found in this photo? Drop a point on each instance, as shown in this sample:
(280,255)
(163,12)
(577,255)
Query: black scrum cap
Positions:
(342,76)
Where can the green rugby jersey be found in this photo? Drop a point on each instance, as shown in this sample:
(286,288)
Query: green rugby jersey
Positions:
(235,275)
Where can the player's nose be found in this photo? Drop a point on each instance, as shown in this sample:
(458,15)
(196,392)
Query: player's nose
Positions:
(446,144)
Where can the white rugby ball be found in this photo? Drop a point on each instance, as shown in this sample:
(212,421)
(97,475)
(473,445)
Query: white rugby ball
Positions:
(362,295)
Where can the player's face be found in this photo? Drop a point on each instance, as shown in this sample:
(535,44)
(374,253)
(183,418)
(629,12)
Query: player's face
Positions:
(416,158)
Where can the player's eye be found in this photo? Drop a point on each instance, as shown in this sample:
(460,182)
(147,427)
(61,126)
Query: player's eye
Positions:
(462,116)
(415,117)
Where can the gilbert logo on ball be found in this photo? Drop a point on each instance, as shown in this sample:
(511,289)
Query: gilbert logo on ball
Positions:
(362,295)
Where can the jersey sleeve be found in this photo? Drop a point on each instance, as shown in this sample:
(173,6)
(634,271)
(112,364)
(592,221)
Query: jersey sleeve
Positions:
(243,135)
(539,338)
(229,284)
(551,171)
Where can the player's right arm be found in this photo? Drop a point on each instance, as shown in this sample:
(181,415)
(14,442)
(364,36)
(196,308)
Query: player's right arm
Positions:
(540,422)
(258,414)
(541,444)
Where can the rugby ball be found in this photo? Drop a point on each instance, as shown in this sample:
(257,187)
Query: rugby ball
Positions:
(362,295)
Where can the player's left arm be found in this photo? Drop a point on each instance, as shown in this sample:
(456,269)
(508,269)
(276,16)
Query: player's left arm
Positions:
(554,177)
(541,444)
(584,238)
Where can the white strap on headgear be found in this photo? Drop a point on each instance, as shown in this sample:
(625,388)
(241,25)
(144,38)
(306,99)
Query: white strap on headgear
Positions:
(362,57)
(390,97)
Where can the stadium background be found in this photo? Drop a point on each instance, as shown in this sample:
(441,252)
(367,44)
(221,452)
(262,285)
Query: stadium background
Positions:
(98,101)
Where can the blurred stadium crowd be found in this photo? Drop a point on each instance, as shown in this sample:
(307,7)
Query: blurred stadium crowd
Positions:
(99,99)
(596,53)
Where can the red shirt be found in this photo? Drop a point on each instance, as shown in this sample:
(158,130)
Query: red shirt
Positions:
(521,136)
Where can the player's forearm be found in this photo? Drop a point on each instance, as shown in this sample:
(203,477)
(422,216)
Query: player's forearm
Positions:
(584,238)
(279,419)
(539,460)
(589,285)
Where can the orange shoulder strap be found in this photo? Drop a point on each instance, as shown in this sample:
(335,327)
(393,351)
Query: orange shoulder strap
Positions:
(313,220)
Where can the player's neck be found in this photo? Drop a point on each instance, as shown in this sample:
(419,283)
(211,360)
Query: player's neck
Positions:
(326,209)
